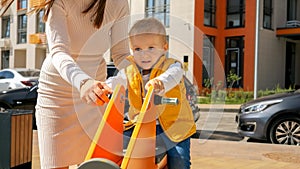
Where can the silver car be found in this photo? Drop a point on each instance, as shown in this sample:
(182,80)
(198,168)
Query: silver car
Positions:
(274,118)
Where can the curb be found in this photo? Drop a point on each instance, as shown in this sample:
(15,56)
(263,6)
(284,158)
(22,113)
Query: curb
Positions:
(219,108)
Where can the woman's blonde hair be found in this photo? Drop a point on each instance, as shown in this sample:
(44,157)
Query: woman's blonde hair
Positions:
(148,26)
(97,7)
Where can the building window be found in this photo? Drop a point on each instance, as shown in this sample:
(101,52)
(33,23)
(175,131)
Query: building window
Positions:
(208,58)
(268,10)
(22,28)
(40,24)
(234,59)
(22,4)
(5,59)
(292,10)
(235,13)
(210,13)
(5,27)
(160,9)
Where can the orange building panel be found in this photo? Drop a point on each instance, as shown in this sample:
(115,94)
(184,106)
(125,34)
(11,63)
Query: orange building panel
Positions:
(33,3)
(288,32)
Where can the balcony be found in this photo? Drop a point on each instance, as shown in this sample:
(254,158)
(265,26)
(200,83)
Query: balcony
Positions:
(33,3)
(293,24)
(291,30)
(38,38)
(5,43)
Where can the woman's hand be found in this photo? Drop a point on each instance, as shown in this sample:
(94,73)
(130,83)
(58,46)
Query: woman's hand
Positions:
(95,92)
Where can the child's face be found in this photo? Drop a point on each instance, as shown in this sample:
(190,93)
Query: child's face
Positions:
(147,49)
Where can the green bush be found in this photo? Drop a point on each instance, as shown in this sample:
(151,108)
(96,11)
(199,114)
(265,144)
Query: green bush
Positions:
(237,96)
(214,93)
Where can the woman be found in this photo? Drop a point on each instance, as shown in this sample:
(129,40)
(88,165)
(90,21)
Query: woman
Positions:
(71,86)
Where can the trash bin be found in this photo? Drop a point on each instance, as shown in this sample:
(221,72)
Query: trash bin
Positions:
(16,139)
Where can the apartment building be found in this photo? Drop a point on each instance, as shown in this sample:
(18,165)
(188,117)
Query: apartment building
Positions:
(218,37)
(214,37)
(23,41)
(230,25)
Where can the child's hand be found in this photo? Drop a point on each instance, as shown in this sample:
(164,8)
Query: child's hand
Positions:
(157,85)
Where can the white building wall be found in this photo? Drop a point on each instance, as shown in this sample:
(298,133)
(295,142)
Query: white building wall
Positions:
(280,13)
(39,57)
(181,32)
(13,35)
(137,7)
(271,62)
(272,51)
(137,10)
(297,64)
(31,48)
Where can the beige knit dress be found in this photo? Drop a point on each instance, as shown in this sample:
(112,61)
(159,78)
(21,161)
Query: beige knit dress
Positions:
(66,125)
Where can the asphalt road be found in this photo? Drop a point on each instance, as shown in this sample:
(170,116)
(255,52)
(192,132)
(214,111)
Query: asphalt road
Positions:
(218,126)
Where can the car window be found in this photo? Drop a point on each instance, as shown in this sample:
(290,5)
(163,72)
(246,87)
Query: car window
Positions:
(2,75)
(6,75)
(29,73)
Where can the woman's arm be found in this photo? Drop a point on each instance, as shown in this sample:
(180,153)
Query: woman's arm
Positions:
(91,91)
(59,46)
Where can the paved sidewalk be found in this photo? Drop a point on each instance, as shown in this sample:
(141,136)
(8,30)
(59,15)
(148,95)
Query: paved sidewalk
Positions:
(216,154)
(219,154)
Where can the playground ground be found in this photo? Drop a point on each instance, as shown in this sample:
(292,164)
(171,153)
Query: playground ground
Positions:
(216,154)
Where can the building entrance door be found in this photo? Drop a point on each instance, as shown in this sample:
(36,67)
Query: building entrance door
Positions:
(233,63)
(290,64)
(5,59)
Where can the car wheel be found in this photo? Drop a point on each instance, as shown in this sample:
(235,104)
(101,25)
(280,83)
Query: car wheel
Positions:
(286,130)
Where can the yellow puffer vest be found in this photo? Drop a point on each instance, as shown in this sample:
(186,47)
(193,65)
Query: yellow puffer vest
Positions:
(176,120)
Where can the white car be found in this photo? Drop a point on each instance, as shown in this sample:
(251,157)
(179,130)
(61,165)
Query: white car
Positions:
(18,77)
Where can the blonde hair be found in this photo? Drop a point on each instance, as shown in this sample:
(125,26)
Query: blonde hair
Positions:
(148,26)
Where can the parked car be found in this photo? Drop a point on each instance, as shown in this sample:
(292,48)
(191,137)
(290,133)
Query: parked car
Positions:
(25,97)
(274,118)
(20,98)
(18,77)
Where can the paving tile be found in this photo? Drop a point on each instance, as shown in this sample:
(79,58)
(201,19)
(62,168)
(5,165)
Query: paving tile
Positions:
(218,154)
